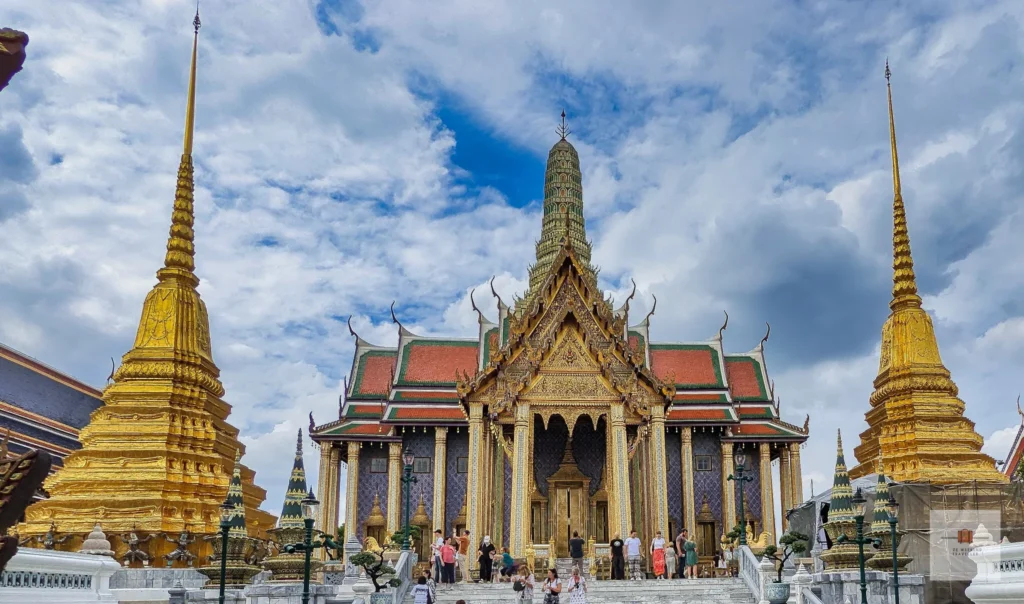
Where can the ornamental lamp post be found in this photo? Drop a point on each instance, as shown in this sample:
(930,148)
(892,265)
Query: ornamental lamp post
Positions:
(739,479)
(309,510)
(226,511)
(893,508)
(407,480)
(859,502)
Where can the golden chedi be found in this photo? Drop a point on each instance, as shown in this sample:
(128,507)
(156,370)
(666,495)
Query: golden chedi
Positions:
(157,457)
(916,422)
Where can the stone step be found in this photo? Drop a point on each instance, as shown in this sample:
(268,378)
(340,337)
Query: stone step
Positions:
(713,591)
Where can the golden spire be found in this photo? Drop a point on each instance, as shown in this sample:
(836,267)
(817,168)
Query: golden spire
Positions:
(163,425)
(179,263)
(917,429)
(904,283)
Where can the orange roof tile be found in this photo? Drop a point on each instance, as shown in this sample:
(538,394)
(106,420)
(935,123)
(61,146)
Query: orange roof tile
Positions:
(698,414)
(692,365)
(437,362)
(426,395)
(373,374)
(426,413)
(745,381)
(700,397)
(758,429)
(371,410)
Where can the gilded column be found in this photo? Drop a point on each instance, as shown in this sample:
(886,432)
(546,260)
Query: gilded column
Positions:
(767,496)
(520,477)
(352,491)
(323,491)
(440,463)
(334,488)
(689,503)
(798,481)
(499,493)
(660,478)
(619,503)
(475,478)
(785,485)
(728,488)
(394,488)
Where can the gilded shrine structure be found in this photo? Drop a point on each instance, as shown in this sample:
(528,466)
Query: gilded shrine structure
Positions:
(560,416)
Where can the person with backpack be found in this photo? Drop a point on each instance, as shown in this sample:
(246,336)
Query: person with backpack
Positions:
(523,585)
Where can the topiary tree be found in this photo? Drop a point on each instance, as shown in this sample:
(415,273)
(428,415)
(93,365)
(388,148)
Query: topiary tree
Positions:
(376,568)
(792,543)
(396,539)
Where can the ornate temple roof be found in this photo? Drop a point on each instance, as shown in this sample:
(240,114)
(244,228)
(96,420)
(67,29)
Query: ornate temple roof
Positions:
(417,382)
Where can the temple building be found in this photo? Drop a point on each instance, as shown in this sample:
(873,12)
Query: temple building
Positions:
(162,427)
(916,423)
(562,415)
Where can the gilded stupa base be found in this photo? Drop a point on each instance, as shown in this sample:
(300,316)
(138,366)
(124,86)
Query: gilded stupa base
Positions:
(238,571)
(882,559)
(841,556)
(287,568)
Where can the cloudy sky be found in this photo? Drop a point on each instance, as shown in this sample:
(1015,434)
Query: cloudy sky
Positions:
(735,156)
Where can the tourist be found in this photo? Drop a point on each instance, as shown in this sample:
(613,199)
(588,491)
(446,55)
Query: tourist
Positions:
(730,557)
(636,572)
(463,556)
(690,558)
(577,588)
(485,554)
(680,540)
(431,586)
(508,565)
(618,559)
(576,550)
(421,593)
(658,555)
(495,566)
(448,560)
(552,587)
(524,584)
(435,549)
(670,560)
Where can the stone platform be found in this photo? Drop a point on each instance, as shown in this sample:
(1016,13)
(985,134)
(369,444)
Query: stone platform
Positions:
(669,591)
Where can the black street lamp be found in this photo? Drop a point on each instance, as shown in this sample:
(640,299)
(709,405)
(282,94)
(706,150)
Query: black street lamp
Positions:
(226,511)
(309,508)
(858,502)
(408,479)
(893,508)
(740,479)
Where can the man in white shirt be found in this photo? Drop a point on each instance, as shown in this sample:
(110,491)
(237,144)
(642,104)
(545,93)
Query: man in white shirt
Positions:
(633,556)
(435,549)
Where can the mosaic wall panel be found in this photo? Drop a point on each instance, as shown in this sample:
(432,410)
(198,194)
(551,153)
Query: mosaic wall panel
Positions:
(674,476)
(422,445)
(506,526)
(548,446)
(752,490)
(371,484)
(455,483)
(588,448)
(708,484)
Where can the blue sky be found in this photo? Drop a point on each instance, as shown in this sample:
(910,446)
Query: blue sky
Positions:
(348,154)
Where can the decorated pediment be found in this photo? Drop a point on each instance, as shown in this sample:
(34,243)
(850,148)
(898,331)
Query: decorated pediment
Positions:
(567,346)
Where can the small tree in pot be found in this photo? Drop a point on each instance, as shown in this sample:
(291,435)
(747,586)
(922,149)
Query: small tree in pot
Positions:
(792,543)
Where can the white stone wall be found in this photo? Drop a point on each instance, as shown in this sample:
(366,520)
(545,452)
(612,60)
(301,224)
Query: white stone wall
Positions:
(36,576)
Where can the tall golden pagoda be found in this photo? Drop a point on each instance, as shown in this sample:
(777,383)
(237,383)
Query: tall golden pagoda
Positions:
(157,457)
(916,422)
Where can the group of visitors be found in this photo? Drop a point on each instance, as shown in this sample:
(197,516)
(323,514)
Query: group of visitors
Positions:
(666,557)
(552,587)
(453,552)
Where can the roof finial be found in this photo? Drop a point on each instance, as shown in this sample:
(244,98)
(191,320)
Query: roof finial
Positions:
(563,129)
(653,307)
(725,325)
(904,282)
(179,262)
(298,443)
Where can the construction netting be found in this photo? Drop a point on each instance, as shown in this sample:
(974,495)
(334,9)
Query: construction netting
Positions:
(938,523)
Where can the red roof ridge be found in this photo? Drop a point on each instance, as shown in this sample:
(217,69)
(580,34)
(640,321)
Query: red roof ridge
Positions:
(41,368)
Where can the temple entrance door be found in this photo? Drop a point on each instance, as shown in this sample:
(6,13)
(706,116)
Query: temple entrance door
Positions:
(571,506)
(568,501)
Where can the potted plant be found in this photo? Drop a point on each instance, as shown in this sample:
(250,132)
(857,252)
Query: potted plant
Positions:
(376,568)
(790,544)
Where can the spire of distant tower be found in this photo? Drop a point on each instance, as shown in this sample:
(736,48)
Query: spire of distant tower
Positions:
(563,129)
(179,262)
(904,283)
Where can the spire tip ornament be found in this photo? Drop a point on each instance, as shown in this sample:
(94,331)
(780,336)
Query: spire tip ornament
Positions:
(563,129)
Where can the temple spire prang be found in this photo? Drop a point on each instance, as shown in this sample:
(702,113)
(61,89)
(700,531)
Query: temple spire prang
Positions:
(904,282)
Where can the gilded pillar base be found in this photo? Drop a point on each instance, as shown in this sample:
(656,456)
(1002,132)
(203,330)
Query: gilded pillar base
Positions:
(238,571)
(841,556)
(882,560)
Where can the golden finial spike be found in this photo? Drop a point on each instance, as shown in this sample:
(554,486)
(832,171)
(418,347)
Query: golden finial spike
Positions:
(839,441)
(179,263)
(904,282)
(190,109)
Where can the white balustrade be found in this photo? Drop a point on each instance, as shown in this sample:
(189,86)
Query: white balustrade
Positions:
(1000,575)
(33,576)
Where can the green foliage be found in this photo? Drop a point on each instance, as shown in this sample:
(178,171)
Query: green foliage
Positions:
(375,567)
(734,534)
(792,543)
(396,540)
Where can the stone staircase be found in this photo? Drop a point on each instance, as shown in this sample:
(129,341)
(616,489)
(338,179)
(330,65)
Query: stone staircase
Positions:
(670,591)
